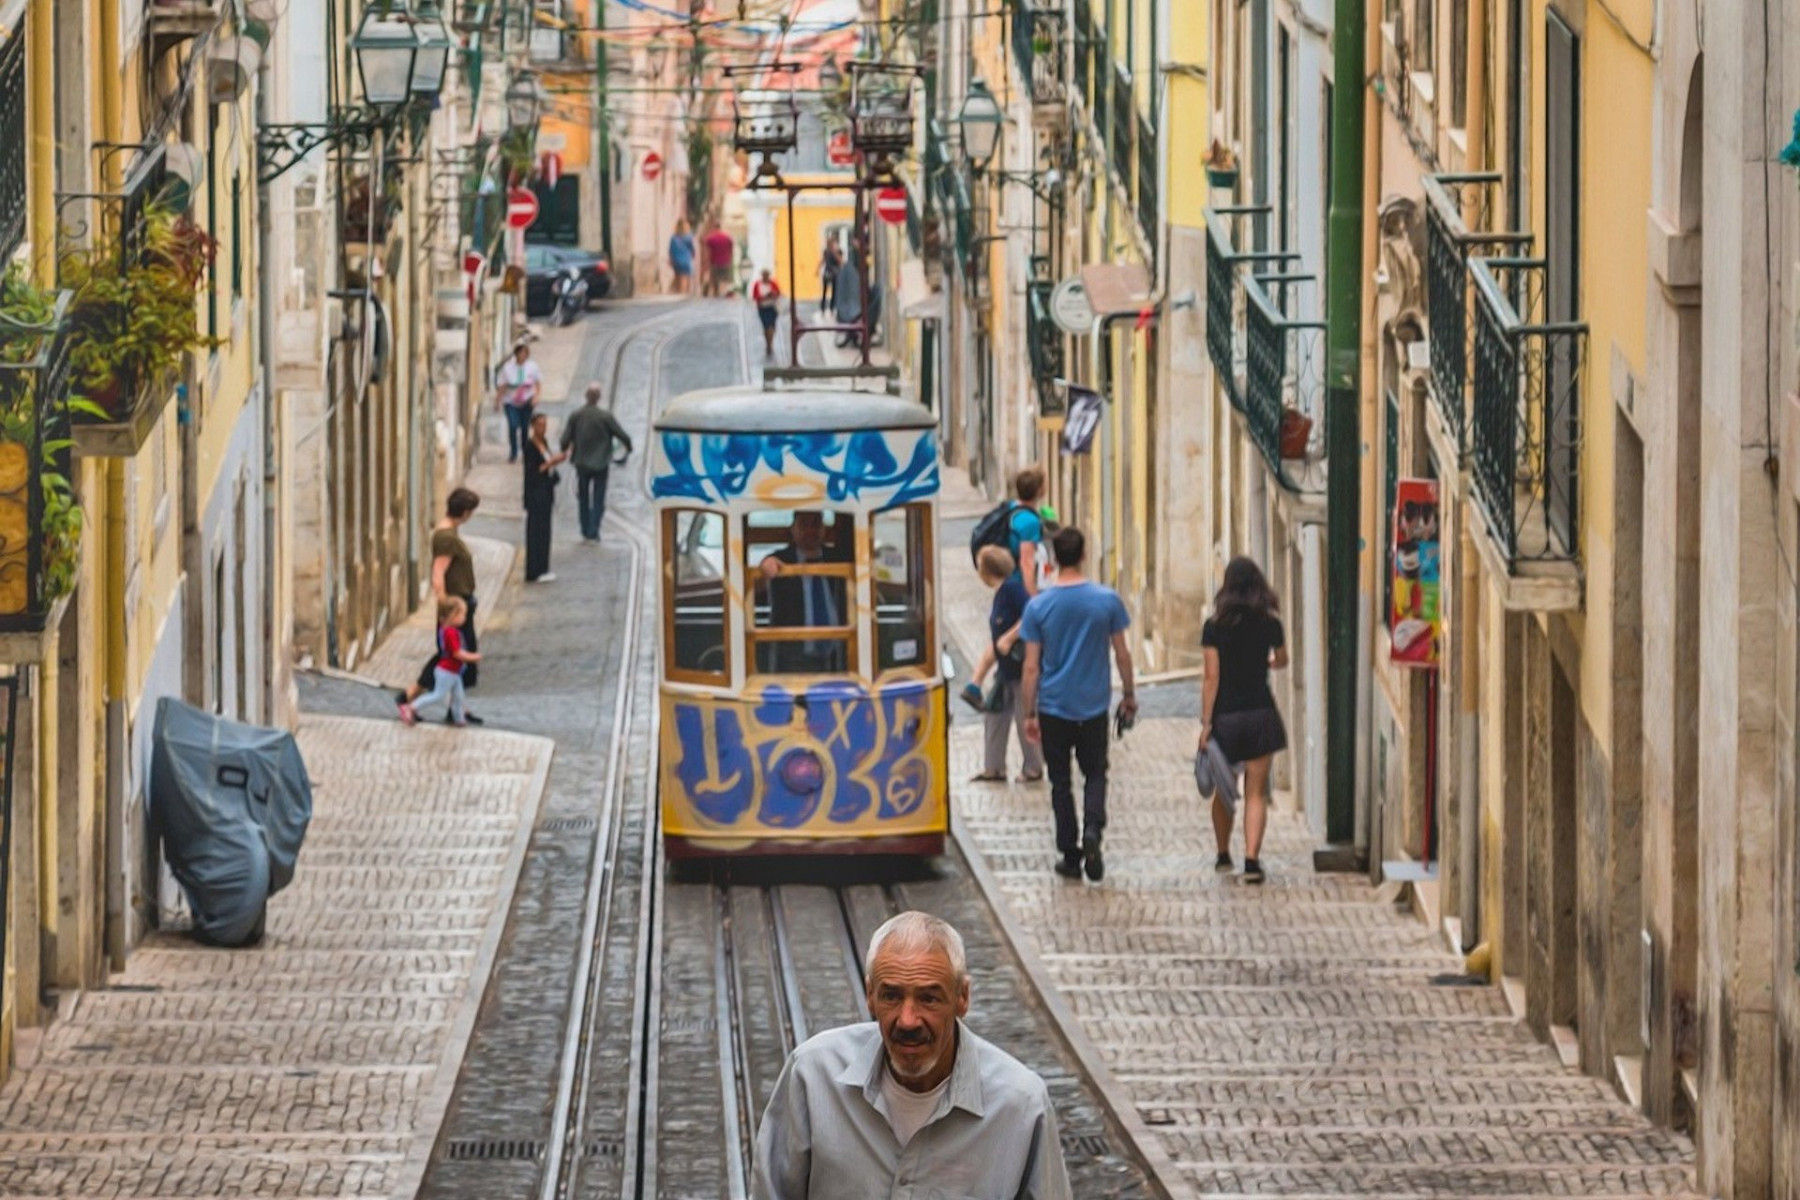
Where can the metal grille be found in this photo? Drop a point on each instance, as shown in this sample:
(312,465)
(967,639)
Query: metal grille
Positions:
(1525,426)
(1046,345)
(34,413)
(1449,244)
(12,141)
(1084,50)
(1148,193)
(1037,46)
(1225,305)
(1285,375)
(1124,117)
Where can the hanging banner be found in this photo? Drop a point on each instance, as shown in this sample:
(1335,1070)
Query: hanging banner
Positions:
(1414,623)
(1082,420)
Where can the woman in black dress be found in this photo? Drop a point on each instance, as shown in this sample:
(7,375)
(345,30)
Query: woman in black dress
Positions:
(540,499)
(1242,640)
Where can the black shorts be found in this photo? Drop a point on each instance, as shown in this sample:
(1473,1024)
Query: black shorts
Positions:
(1249,735)
(768,317)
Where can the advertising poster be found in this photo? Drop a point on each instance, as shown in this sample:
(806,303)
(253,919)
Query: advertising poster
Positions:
(1414,622)
(1082,420)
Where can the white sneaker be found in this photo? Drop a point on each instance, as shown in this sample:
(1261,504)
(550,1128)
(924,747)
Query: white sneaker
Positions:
(546,577)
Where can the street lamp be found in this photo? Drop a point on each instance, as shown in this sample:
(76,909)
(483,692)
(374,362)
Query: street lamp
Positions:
(524,101)
(979,120)
(830,75)
(432,59)
(385,46)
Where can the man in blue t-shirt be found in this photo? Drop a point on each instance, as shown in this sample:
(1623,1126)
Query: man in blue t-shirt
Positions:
(1025,528)
(1068,685)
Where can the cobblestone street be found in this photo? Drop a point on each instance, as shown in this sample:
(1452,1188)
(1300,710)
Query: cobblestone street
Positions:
(1286,1040)
(316,1064)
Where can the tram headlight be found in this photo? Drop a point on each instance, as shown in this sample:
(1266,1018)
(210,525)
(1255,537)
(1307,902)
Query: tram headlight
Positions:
(802,772)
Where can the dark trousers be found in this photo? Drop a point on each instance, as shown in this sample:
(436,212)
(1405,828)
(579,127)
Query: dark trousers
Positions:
(1087,740)
(827,285)
(518,426)
(537,533)
(471,671)
(590,500)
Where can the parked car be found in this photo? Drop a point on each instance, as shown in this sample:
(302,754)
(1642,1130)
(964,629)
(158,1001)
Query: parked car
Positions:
(543,263)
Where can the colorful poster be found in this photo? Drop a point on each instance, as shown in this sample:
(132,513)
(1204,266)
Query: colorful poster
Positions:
(1082,420)
(1416,617)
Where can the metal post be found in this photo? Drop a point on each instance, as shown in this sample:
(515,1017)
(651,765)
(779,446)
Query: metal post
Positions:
(1343,312)
(603,138)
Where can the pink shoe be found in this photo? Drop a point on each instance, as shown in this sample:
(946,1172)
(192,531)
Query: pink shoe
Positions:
(407,715)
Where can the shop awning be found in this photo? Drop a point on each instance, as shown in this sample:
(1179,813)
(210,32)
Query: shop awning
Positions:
(1117,289)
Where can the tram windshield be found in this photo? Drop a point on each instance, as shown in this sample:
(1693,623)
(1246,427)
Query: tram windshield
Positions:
(900,545)
(694,544)
(801,563)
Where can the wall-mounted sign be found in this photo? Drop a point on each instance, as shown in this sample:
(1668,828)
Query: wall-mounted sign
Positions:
(1070,309)
(1416,617)
(1082,421)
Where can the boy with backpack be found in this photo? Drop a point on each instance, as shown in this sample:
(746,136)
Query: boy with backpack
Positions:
(447,675)
(1017,526)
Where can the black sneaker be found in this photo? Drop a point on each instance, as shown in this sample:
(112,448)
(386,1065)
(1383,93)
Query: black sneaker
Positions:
(400,699)
(470,718)
(1222,863)
(1253,872)
(1069,868)
(1090,857)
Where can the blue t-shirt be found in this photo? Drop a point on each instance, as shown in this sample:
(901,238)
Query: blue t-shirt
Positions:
(681,253)
(1074,623)
(1010,599)
(1023,526)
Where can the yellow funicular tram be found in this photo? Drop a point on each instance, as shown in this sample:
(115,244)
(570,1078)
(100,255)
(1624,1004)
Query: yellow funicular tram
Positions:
(802,693)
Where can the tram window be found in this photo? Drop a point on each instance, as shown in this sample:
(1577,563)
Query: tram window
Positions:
(694,548)
(801,563)
(900,549)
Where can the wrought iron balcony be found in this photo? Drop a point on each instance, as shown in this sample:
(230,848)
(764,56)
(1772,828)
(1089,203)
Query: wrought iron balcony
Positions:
(1525,422)
(1123,111)
(1226,268)
(1149,194)
(12,140)
(1045,343)
(1451,202)
(1037,45)
(39,523)
(1084,55)
(1285,382)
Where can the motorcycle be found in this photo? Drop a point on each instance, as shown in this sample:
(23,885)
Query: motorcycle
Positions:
(571,294)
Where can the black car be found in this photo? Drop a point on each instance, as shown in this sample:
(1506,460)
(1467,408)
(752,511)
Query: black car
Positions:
(543,263)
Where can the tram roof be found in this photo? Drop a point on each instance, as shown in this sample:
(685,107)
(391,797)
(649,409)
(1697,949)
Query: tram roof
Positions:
(752,410)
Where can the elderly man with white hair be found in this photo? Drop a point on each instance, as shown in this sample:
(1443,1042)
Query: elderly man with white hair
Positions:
(911,1104)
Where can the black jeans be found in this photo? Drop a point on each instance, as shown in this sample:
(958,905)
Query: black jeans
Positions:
(590,500)
(538,506)
(1087,740)
(471,671)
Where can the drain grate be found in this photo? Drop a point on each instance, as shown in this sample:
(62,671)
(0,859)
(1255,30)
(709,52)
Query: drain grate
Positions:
(604,1148)
(568,825)
(493,1149)
(1086,1145)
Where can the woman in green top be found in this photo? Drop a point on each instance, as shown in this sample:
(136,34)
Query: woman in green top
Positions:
(452,574)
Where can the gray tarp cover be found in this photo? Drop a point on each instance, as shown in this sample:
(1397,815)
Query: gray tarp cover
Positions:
(230,803)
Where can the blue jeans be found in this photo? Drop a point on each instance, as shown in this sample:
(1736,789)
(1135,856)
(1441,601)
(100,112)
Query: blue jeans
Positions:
(518,425)
(446,685)
(590,501)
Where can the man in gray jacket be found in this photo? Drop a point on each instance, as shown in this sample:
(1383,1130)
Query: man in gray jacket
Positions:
(589,433)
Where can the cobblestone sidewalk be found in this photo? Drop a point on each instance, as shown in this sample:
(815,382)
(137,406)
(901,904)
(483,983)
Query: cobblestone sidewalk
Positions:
(319,1063)
(1286,1040)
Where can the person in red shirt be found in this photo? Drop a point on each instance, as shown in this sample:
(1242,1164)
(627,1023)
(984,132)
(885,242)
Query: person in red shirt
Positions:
(719,247)
(447,675)
(765,293)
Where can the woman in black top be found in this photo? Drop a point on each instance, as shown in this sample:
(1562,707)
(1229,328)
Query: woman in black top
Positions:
(540,499)
(1241,642)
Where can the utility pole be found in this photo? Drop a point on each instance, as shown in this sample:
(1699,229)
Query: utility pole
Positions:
(1343,407)
(603,135)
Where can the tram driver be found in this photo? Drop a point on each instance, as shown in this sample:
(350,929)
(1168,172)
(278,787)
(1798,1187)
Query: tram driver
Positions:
(800,601)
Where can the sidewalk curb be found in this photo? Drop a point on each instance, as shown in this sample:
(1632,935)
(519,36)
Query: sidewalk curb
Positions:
(1159,1169)
(434,1107)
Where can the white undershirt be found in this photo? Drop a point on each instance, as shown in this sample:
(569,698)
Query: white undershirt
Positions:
(908,1110)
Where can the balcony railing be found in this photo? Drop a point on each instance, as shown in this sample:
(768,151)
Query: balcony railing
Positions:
(1226,267)
(1084,55)
(1149,194)
(1525,422)
(1045,342)
(1037,45)
(39,526)
(12,141)
(1451,202)
(1285,382)
(1124,119)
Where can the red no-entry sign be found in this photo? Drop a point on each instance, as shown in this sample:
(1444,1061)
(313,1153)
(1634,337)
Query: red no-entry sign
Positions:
(521,208)
(839,150)
(652,165)
(890,205)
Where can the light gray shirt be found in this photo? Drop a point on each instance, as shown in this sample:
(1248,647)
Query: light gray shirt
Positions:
(827,1134)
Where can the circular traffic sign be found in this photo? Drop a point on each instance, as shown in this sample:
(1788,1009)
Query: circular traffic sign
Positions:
(890,205)
(839,150)
(1070,307)
(652,165)
(521,208)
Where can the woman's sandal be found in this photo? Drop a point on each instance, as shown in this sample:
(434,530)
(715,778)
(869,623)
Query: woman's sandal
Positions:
(1032,777)
(988,777)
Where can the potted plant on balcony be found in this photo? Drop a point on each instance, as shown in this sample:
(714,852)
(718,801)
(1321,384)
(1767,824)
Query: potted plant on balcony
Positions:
(1296,433)
(1221,166)
(28,325)
(133,317)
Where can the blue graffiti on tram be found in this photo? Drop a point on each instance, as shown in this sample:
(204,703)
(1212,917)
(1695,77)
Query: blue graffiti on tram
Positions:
(874,465)
(778,761)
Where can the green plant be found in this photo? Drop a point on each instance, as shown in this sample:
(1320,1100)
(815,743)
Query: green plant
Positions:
(27,322)
(133,318)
